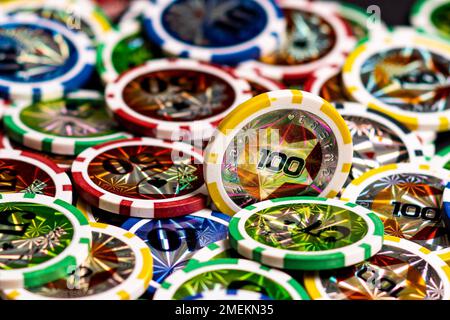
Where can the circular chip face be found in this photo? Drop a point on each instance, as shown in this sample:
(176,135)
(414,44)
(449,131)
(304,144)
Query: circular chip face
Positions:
(123,50)
(42,237)
(24,172)
(228,294)
(283,143)
(408,199)
(405,75)
(119,267)
(258,84)
(432,16)
(306,233)
(169,98)
(65,126)
(46,59)
(78,15)
(230,274)
(141,177)
(402,270)
(316,37)
(174,241)
(327,83)
(225,32)
(377,138)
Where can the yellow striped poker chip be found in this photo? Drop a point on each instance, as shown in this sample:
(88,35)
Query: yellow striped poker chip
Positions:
(408,199)
(278,144)
(402,270)
(119,267)
(404,74)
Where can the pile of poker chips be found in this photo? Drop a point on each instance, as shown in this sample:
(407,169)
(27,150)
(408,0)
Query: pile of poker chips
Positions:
(250,150)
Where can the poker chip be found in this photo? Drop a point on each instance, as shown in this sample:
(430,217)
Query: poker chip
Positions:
(403,74)
(217,250)
(377,139)
(408,199)
(24,172)
(275,145)
(78,15)
(169,98)
(402,270)
(442,159)
(44,237)
(258,84)
(141,177)
(119,267)
(65,59)
(174,241)
(65,126)
(306,233)
(228,294)
(431,16)
(226,32)
(222,273)
(123,50)
(327,83)
(316,37)
(446,208)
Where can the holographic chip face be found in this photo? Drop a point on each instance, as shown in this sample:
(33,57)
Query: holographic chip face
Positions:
(440,18)
(214,24)
(409,204)
(306,227)
(69,118)
(392,274)
(145,172)
(110,263)
(278,154)
(34,53)
(374,145)
(309,38)
(409,79)
(31,234)
(179,95)
(19,176)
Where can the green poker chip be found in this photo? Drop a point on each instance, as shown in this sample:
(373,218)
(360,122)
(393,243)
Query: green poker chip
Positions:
(65,126)
(306,233)
(239,274)
(217,250)
(41,239)
(432,16)
(441,159)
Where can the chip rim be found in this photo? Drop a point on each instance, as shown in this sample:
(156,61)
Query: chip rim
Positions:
(420,16)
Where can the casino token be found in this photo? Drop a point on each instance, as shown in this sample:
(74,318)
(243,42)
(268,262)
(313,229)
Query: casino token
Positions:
(408,199)
(217,250)
(228,294)
(258,84)
(65,58)
(141,177)
(446,207)
(225,32)
(65,126)
(49,236)
(377,138)
(94,214)
(74,14)
(119,267)
(331,233)
(123,50)
(442,159)
(402,270)
(226,274)
(26,172)
(168,98)
(316,37)
(403,74)
(174,241)
(248,160)
(432,17)
(327,83)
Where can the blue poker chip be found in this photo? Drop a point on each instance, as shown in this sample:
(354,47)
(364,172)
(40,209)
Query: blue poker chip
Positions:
(43,59)
(446,205)
(226,32)
(174,241)
(228,294)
